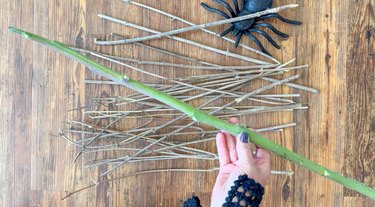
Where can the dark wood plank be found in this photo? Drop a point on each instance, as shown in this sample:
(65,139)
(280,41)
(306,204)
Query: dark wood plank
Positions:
(20,121)
(7,112)
(360,140)
(357,201)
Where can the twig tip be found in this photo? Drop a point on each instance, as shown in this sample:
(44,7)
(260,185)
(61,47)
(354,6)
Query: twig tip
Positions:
(294,5)
(19,31)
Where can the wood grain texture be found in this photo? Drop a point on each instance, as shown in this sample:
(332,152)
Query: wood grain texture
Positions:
(40,90)
(361,84)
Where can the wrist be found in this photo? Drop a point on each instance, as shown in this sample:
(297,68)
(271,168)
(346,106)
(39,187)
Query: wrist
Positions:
(245,192)
(253,174)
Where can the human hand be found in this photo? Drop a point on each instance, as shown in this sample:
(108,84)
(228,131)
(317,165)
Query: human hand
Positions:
(236,158)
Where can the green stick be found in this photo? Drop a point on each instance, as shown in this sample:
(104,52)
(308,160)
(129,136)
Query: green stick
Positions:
(201,116)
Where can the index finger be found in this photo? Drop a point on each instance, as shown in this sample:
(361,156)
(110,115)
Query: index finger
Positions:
(222,149)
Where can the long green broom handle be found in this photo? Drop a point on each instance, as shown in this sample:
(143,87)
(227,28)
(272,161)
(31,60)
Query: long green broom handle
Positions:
(200,116)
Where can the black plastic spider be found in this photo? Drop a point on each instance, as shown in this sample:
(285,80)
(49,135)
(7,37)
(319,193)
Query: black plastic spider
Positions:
(249,26)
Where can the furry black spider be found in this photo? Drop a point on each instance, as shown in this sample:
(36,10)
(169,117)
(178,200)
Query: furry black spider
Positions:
(248,26)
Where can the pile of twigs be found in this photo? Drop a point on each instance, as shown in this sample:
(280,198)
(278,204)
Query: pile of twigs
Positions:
(165,133)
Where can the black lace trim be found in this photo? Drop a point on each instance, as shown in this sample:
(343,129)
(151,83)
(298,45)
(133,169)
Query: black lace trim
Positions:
(192,202)
(245,192)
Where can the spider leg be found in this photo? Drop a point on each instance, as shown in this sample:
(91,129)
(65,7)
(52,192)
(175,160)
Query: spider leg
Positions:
(238,39)
(235,32)
(227,31)
(264,34)
(208,8)
(272,28)
(257,42)
(227,6)
(274,15)
(235,2)
(242,4)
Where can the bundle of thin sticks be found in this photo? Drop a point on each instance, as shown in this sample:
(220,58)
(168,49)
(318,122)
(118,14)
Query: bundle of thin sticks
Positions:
(165,133)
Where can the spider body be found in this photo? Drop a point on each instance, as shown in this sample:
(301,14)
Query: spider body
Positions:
(257,6)
(249,26)
(244,24)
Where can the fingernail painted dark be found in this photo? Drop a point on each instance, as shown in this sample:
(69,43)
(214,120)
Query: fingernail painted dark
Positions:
(244,138)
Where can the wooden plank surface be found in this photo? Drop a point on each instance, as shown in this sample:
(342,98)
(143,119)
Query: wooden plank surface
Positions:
(40,89)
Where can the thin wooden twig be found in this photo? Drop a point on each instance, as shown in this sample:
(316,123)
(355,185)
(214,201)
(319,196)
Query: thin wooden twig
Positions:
(276,128)
(115,161)
(292,85)
(237,74)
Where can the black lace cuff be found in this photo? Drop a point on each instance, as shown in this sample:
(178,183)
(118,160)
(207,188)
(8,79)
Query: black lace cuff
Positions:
(245,192)
(192,202)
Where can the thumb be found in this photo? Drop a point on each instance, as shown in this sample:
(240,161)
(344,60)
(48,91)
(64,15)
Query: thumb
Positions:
(244,149)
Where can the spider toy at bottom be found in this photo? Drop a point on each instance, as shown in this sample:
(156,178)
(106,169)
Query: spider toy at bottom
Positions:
(249,26)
